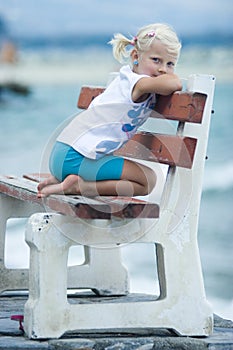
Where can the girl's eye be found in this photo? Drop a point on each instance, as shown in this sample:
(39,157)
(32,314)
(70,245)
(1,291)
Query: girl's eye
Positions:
(171,64)
(156,60)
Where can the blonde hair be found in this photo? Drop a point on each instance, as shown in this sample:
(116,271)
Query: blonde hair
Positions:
(143,40)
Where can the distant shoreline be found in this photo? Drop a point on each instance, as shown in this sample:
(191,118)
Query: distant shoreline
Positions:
(101,40)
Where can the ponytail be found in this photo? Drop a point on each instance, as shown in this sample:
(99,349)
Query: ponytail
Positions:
(119,44)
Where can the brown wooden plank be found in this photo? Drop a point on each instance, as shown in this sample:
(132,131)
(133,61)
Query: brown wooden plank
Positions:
(87,94)
(56,203)
(79,206)
(10,186)
(167,149)
(181,106)
(37,177)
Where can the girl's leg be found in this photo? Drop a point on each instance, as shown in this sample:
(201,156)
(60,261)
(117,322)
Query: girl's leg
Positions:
(136,180)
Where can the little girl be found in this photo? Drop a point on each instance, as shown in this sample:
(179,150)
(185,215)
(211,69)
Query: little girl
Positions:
(82,160)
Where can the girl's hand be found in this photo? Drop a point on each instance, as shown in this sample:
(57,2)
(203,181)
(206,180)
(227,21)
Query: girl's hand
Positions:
(164,84)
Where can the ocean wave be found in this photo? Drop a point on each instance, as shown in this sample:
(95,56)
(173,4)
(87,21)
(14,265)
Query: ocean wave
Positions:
(219,178)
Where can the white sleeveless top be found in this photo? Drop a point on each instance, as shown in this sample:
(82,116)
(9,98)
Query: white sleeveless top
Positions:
(111,119)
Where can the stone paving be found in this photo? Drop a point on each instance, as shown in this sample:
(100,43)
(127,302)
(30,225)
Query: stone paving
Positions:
(11,338)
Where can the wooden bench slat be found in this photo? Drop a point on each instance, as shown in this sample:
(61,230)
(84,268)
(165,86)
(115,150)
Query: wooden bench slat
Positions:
(87,94)
(181,106)
(167,149)
(37,177)
(78,206)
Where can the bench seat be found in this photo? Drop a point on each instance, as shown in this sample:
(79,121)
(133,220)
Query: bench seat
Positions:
(101,207)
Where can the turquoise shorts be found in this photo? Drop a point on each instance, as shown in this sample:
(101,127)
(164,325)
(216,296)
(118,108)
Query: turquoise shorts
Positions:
(65,160)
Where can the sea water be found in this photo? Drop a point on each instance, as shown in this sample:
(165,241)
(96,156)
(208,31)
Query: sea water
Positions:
(54,77)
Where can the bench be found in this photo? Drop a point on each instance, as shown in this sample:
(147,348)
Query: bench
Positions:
(103,224)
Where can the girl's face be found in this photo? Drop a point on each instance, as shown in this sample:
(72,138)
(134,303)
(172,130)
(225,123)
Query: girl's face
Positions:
(155,61)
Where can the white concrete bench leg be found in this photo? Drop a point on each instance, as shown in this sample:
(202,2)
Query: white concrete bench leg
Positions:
(47,308)
(48,274)
(12,279)
(185,308)
(102,270)
(182,305)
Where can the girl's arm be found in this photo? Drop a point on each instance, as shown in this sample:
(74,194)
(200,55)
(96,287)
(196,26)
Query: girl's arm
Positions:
(164,84)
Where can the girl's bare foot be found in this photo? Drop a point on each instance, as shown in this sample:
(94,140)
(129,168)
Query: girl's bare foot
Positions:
(49,181)
(71,185)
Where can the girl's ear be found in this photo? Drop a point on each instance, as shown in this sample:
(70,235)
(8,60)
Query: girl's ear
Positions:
(134,55)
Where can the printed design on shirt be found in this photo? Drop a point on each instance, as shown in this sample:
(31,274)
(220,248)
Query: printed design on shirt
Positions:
(138,115)
(106,147)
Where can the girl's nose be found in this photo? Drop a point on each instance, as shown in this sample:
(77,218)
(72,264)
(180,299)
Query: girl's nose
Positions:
(163,68)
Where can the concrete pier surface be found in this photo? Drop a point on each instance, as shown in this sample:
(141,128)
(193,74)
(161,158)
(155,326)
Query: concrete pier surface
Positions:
(12,338)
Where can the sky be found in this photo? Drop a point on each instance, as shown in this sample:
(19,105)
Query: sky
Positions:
(71,17)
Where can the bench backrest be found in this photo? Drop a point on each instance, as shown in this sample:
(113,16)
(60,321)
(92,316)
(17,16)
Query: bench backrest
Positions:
(174,150)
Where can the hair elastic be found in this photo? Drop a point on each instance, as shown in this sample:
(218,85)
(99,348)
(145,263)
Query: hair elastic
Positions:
(135,62)
(134,40)
(151,34)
